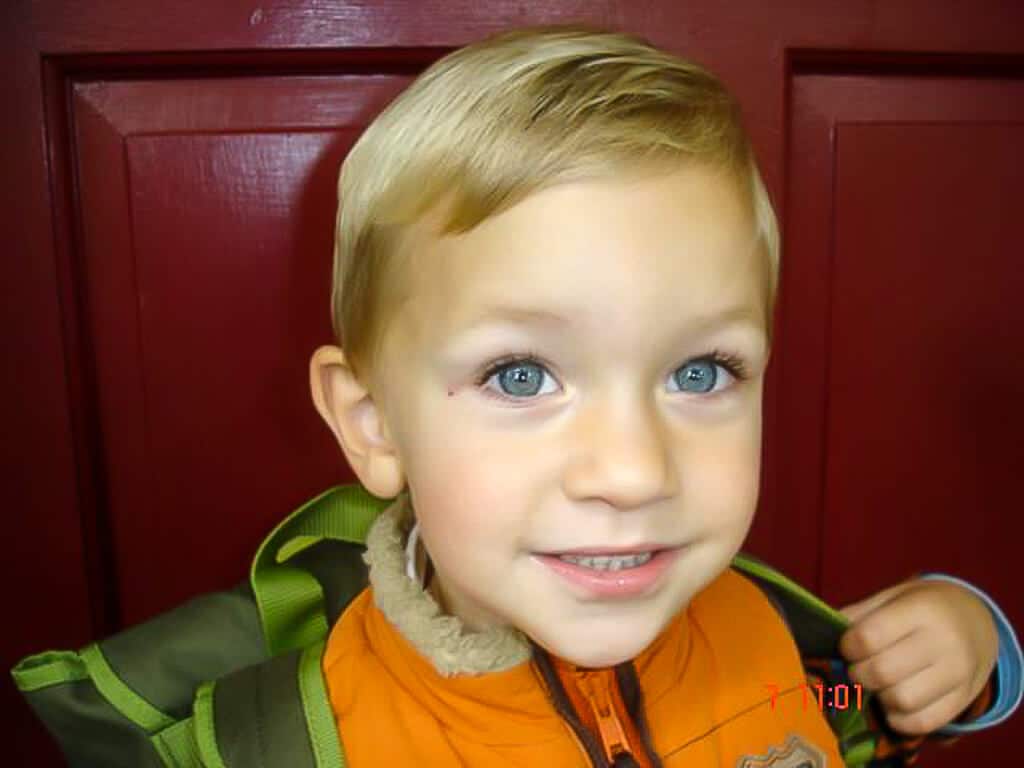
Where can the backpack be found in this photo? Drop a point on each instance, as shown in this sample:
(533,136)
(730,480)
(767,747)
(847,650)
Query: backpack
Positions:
(233,679)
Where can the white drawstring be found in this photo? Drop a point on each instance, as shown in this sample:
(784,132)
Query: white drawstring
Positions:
(410,554)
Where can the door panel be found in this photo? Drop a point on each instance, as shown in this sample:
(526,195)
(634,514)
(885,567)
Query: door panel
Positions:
(207,214)
(899,376)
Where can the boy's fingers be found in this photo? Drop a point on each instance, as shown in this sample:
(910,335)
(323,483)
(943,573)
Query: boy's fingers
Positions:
(898,662)
(938,713)
(919,693)
(855,611)
(875,631)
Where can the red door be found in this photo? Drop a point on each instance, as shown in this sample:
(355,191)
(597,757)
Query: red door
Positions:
(170,199)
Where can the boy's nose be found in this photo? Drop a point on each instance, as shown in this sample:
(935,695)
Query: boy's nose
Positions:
(622,456)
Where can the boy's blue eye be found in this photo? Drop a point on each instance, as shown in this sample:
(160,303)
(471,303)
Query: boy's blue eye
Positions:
(697,376)
(521,379)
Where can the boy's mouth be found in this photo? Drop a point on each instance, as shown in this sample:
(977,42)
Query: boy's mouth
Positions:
(619,575)
(608,558)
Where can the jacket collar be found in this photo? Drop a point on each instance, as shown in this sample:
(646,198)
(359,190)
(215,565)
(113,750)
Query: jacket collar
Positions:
(441,638)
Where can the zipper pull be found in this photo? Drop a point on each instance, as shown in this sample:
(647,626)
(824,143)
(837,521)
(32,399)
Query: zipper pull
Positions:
(613,735)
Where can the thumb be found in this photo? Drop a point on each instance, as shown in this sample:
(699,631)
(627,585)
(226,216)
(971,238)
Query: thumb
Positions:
(857,611)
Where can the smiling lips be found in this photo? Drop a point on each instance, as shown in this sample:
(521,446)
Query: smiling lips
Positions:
(612,572)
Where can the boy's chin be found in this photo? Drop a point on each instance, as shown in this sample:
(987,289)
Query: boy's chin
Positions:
(602,649)
(603,658)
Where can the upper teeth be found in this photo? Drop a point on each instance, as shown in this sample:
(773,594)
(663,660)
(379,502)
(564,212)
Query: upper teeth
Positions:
(608,563)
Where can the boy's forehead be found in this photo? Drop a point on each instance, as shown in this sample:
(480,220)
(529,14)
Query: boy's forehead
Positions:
(587,251)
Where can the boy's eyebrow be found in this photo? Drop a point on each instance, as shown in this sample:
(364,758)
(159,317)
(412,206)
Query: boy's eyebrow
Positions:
(525,315)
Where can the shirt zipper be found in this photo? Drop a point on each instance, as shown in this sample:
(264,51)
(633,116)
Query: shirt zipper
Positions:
(596,687)
(586,701)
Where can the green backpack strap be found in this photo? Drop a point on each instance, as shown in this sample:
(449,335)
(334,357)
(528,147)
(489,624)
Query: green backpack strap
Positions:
(290,599)
(815,625)
(277,712)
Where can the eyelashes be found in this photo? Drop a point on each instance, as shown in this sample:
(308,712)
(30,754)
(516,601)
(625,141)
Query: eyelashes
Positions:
(734,364)
(507,361)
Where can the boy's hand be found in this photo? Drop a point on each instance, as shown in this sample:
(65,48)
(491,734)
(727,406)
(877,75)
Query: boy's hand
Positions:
(926,648)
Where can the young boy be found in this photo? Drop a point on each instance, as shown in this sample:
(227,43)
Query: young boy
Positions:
(554,277)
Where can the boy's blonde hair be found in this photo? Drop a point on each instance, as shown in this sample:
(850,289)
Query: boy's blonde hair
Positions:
(496,121)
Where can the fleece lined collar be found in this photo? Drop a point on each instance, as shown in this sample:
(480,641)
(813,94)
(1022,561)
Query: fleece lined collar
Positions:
(452,648)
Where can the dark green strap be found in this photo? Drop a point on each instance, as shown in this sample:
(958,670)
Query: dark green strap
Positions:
(275,715)
(259,719)
(290,599)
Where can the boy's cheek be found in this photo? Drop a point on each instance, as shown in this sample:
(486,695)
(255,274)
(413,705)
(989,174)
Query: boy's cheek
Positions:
(724,475)
(490,468)
(467,494)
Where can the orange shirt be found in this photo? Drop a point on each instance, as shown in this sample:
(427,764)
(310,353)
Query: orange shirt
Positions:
(705,684)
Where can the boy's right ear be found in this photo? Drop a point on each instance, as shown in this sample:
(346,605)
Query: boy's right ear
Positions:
(347,407)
